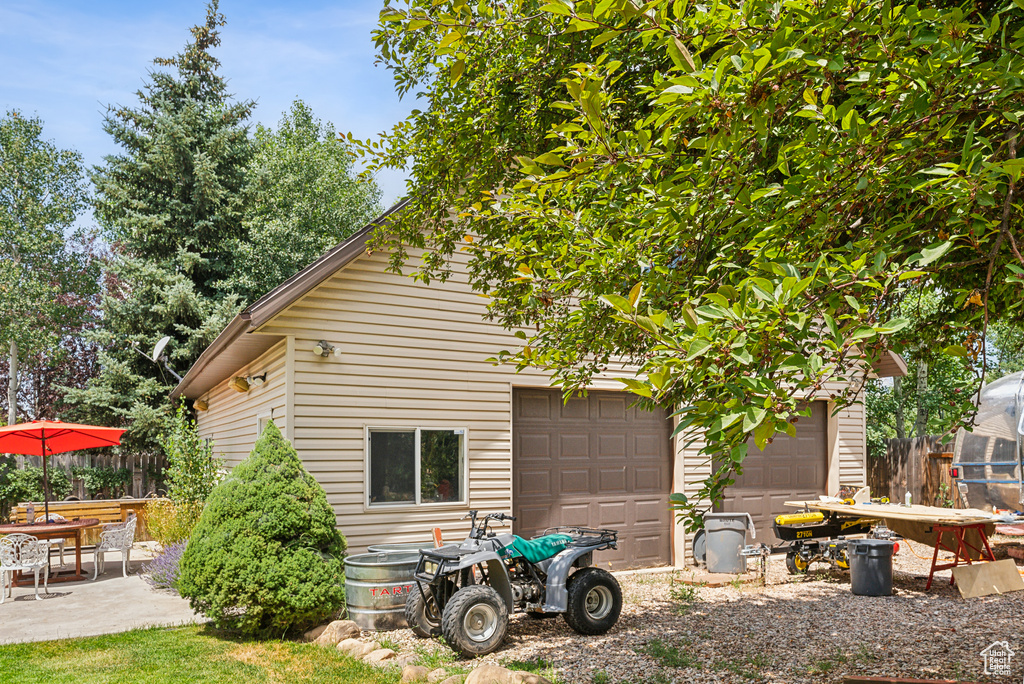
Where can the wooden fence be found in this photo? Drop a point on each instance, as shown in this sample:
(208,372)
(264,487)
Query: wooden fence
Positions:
(919,465)
(145,469)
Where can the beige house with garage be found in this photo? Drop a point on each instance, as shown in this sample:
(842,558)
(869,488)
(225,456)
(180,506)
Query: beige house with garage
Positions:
(383,386)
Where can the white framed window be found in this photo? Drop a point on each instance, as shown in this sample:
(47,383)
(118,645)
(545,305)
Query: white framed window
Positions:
(416,466)
(265,417)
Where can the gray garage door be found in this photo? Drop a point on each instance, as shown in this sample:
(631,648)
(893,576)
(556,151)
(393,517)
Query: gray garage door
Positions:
(596,462)
(790,468)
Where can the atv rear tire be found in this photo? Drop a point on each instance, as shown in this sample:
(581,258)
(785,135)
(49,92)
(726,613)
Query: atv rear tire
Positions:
(475,621)
(418,617)
(595,601)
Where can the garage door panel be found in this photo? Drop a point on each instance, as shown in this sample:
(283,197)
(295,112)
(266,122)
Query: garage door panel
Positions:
(790,468)
(649,479)
(611,446)
(650,511)
(611,514)
(574,409)
(534,482)
(648,446)
(573,514)
(612,480)
(534,446)
(534,405)
(624,486)
(574,481)
(781,475)
(611,408)
(533,517)
(574,446)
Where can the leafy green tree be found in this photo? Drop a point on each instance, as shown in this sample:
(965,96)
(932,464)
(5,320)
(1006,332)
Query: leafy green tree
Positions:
(46,283)
(1007,348)
(192,469)
(303,199)
(266,557)
(172,206)
(737,197)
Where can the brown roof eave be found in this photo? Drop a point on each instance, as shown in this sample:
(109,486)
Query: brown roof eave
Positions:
(235,329)
(266,307)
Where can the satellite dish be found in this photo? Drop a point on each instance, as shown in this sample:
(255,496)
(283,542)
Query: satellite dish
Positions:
(159,348)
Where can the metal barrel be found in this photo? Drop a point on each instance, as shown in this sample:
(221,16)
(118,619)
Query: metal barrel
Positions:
(411,547)
(376,586)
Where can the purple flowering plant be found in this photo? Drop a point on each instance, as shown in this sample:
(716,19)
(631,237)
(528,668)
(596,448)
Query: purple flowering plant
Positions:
(163,571)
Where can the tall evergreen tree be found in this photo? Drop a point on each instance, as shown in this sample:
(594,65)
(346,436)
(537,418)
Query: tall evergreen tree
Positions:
(172,205)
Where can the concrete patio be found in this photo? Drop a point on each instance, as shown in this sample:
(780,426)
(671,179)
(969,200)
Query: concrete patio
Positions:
(110,604)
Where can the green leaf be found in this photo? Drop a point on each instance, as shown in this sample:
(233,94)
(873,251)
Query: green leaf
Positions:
(955,350)
(908,275)
(679,54)
(458,68)
(556,8)
(697,348)
(635,293)
(549,159)
(752,418)
(930,254)
(762,433)
(617,302)
(895,325)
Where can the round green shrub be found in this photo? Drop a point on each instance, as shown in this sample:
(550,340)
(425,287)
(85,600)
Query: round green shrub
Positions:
(265,557)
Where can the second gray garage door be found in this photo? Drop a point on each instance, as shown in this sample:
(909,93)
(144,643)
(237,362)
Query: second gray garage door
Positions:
(790,468)
(594,462)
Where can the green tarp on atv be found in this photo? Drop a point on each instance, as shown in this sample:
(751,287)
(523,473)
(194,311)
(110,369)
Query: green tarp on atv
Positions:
(536,550)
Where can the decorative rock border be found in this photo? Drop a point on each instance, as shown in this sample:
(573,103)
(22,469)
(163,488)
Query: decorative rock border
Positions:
(346,636)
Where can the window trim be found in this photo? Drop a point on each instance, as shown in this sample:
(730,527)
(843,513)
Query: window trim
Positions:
(463,500)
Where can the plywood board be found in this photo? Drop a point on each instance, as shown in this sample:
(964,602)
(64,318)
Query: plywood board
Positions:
(928,514)
(984,579)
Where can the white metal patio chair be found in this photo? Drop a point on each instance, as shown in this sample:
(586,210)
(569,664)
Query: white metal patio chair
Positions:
(116,537)
(54,543)
(23,552)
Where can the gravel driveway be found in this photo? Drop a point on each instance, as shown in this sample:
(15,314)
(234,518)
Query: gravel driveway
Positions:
(808,629)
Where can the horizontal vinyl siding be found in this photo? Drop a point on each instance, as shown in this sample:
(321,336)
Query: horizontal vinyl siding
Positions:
(231,419)
(411,356)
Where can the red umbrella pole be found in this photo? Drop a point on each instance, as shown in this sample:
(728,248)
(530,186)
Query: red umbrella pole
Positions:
(46,483)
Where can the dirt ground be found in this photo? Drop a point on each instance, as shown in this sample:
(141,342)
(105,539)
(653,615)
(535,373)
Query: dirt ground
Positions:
(795,629)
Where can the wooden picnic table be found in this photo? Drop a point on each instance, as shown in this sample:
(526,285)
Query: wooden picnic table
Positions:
(55,530)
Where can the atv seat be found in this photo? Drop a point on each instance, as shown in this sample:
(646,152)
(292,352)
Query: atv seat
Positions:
(539,549)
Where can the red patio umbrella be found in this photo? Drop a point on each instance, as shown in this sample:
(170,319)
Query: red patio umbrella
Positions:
(46,437)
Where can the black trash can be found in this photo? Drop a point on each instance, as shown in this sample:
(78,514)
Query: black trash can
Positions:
(870,566)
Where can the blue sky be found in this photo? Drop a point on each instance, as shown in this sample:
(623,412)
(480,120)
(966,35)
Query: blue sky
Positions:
(65,61)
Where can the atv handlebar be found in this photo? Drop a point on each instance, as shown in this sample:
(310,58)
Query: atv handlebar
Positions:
(479,531)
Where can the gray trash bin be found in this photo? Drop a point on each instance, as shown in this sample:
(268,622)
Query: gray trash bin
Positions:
(726,536)
(870,566)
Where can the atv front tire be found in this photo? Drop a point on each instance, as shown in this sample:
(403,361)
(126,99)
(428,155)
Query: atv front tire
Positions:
(475,621)
(595,601)
(417,615)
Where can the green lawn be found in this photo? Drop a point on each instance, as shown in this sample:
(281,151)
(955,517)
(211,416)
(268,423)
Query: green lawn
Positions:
(180,655)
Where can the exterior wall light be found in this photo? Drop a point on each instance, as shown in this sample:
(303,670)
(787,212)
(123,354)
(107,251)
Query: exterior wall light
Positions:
(325,349)
(257,380)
